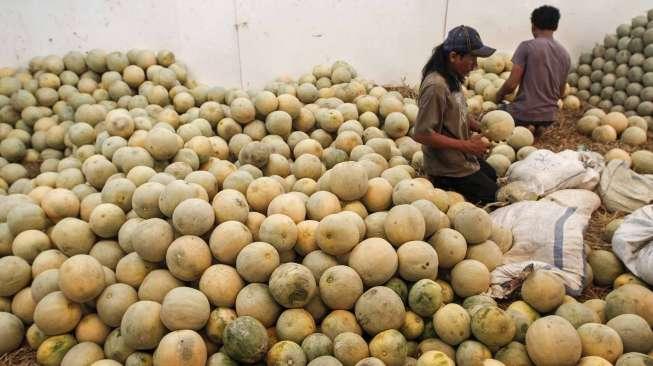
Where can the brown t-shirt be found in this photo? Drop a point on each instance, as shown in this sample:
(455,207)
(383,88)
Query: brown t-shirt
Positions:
(546,64)
(443,112)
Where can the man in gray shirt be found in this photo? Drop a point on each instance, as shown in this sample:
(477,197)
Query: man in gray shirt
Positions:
(540,68)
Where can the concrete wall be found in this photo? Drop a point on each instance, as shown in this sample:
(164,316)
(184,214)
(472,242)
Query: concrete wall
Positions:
(249,42)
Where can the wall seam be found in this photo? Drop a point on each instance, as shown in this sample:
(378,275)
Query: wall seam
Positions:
(240,60)
(446,15)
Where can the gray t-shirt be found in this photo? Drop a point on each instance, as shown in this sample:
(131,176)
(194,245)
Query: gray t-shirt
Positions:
(444,112)
(546,64)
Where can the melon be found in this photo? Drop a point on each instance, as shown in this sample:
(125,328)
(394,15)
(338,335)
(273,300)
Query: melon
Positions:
(55,314)
(434,344)
(413,326)
(450,247)
(505,150)
(375,261)
(84,353)
(245,340)
(92,329)
(256,301)
(185,308)
(181,347)
(52,351)
(472,353)
(257,261)
(617,154)
(474,224)
(12,332)
(141,325)
(349,348)
(543,291)
(79,267)
(218,320)
(432,358)
(487,253)
(316,345)
(520,137)
(571,103)
(493,327)
(625,279)
(605,266)
(15,274)
(600,340)
(340,287)
(642,161)
(553,341)
(577,314)
(379,309)
(114,301)
(292,285)
(634,331)
(404,223)
(633,136)
(390,347)
(616,120)
(452,324)
(325,361)
(497,125)
(470,277)
(633,359)
(629,299)
(513,354)
(294,325)
(425,297)
(417,260)
(604,134)
(348,181)
(337,234)
(286,352)
(587,124)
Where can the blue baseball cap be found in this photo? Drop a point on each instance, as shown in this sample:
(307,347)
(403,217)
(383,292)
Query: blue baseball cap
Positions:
(466,40)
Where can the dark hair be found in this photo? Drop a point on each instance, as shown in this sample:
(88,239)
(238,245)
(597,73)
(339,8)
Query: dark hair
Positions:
(439,62)
(546,17)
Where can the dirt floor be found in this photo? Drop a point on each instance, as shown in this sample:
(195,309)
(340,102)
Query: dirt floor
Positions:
(561,136)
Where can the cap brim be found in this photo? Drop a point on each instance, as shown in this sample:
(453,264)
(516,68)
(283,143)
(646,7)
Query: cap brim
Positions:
(484,51)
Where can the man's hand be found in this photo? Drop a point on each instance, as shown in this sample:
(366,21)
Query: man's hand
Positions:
(474,125)
(476,145)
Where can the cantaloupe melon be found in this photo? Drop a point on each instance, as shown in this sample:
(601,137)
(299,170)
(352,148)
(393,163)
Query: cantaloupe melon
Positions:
(634,331)
(379,309)
(617,154)
(12,332)
(452,324)
(563,342)
(605,266)
(633,136)
(425,297)
(470,277)
(600,340)
(181,347)
(604,133)
(474,224)
(642,161)
(375,261)
(543,291)
(497,125)
(245,340)
(390,347)
(629,299)
(616,120)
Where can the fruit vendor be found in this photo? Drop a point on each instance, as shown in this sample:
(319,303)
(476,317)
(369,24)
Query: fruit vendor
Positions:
(443,127)
(540,68)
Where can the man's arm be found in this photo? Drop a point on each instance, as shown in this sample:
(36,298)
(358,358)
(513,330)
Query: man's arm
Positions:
(512,83)
(474,145)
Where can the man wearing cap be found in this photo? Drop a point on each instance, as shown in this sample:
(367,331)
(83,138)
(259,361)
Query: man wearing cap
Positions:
(540,68)
(443,127)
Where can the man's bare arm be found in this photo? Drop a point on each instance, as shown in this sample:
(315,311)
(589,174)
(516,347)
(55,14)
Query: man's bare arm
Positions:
(512,83)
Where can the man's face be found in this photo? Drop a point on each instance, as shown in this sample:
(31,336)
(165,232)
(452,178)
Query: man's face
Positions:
(462,64)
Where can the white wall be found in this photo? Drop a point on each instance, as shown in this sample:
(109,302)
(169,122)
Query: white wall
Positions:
(249,42)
